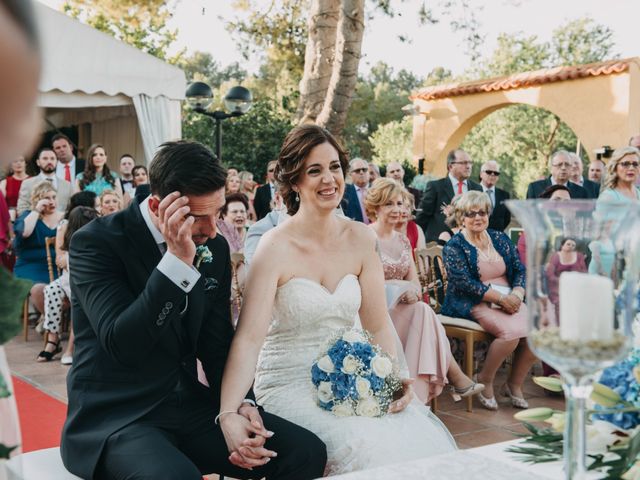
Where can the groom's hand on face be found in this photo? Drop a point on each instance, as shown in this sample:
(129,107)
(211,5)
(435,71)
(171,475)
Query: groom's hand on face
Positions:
(175,226)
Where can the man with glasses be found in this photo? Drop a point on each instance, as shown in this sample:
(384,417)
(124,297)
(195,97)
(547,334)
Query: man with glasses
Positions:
(560,165)
(439,194)
(354,194)
(395,170)
(500,215)
(265,193)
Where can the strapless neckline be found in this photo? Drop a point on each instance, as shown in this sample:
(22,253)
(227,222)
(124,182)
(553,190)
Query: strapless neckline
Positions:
(318,284)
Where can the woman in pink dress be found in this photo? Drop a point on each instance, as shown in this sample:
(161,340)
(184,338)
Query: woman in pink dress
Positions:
(425,343)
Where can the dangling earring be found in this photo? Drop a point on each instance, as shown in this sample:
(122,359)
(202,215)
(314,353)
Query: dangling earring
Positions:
(297,198)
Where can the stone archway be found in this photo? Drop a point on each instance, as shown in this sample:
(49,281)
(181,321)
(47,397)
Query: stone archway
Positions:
(600,102)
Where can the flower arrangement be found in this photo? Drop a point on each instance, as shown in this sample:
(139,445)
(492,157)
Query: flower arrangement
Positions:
(203,255)
(613,445)
(352,376)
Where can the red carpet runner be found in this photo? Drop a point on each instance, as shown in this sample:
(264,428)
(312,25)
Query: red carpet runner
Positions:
(41,416)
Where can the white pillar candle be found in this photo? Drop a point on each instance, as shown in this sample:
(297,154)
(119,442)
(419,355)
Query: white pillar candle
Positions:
(586,307)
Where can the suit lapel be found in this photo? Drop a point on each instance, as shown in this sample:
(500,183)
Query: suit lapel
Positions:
(448,190)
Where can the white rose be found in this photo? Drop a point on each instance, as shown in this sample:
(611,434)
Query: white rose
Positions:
(325,364)
(352,336)
(381,366)
(342,410)
(350,364)
(368,407)
(324,392)
(363,387)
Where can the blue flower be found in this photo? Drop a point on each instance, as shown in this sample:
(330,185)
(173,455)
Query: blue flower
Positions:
(318,375)
(338,351)
(376,382)
(364,352)
(342,385)
(621,379)
(326,405)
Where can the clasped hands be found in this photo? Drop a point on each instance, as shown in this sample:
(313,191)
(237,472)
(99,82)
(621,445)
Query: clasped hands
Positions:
(245,435)
(510,303)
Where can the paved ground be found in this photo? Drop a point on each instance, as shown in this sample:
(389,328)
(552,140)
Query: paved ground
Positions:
(481,427)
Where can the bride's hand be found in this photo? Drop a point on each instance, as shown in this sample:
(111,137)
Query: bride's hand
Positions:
(244,442)
(407,396)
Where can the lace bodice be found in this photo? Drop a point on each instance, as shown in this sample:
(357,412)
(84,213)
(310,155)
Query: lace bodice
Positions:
(397,269)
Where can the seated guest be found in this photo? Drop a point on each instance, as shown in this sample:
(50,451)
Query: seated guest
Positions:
(484,270)
(248,187)
(110,202)
(10,186)
(423,338)
(407,226)
(233,221)
(59,290)
(31,229)
(232,184)
(97,176)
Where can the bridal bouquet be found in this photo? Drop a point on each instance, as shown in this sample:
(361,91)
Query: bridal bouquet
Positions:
(354,377)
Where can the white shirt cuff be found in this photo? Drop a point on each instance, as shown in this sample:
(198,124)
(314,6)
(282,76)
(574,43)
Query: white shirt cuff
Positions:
(183,275)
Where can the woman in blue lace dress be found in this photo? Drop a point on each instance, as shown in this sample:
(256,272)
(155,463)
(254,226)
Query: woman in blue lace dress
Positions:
(486,284)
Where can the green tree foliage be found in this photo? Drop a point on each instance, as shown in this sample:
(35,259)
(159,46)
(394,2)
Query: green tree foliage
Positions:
(200,66)
(391,142)
(249,142)
(141,24)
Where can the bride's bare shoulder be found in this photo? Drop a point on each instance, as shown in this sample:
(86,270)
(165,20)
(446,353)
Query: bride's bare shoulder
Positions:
(358,234)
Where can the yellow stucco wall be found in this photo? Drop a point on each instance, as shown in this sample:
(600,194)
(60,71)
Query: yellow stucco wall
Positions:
(601,110)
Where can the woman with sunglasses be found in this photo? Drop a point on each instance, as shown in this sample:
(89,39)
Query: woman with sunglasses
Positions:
(486,285)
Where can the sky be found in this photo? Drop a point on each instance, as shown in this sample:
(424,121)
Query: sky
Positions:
(200,28)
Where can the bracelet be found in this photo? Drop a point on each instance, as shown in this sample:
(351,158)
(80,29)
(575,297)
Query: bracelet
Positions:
(215,420)
(519,295)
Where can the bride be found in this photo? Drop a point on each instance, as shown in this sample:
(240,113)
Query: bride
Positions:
(312,275)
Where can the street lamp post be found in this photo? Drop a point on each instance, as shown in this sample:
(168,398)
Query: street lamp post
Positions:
(237,101)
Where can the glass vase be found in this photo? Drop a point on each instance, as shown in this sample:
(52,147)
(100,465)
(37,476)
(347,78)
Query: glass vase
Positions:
(582,259)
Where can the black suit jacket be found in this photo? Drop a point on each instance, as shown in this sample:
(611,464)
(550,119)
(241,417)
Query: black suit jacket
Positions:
(350,203)
(592,188)
(438,193)
(132,340)
(500,215)
(536,188)
(262,200)
(80,163)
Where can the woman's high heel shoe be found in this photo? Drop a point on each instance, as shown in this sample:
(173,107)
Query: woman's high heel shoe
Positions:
(488,402)
(45,356)
(458,393)
(517,402)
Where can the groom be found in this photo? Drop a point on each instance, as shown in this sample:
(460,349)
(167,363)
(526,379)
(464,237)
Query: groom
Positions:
(142,313)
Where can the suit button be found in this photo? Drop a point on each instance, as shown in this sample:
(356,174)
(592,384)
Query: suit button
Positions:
(159,322)
(165,310)
(168,305)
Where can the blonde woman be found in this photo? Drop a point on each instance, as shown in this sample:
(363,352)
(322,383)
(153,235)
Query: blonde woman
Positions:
(110,202)
(425,343)
(248,186)
(484,269)
(622,173)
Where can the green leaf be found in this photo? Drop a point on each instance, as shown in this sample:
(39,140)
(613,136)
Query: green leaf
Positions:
(5,451)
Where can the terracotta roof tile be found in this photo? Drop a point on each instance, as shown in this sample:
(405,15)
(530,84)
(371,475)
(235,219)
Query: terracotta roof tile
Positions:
(525,79)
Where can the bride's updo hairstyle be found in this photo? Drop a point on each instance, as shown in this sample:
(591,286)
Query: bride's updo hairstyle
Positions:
(295,149)
(380,193)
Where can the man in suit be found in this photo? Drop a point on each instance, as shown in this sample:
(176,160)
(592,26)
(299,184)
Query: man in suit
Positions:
(500,214)
(359,173)
(592,188)
(439,194)
(47,164)
(68,166)
(146,303)
(265,193)
(597,171)
(560,165)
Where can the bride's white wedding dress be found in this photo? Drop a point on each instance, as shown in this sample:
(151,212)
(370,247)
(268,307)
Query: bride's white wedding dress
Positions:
(305,315)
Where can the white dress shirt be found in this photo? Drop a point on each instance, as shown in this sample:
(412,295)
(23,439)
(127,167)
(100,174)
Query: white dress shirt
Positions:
(183,275)
(72,169)
(455,181)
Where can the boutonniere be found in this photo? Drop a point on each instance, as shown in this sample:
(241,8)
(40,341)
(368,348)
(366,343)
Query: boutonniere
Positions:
(203,254)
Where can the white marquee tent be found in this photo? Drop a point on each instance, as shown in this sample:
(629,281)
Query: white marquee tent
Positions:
(118,96)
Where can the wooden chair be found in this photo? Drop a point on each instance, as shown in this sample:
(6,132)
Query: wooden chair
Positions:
(431,262)
(55,272)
